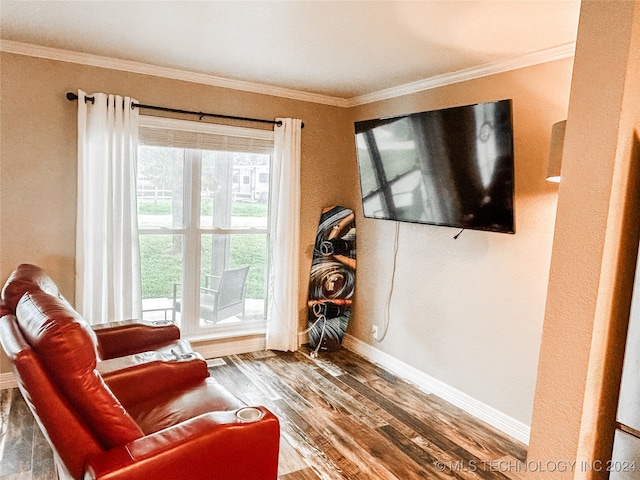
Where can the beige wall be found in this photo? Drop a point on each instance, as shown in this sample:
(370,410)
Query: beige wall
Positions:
(38,155)
(595,247)
(469,311)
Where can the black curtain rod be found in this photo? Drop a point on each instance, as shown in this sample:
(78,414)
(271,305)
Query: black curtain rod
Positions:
(72,96)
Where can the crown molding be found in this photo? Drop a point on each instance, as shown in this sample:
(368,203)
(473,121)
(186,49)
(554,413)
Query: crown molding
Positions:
(49,53)
(527,60)
(535,58)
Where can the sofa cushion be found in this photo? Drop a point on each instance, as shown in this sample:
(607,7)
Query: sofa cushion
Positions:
(176,406)
(66,347)
(23,279)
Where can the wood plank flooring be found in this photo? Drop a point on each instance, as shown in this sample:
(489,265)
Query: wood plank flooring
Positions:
(341,418)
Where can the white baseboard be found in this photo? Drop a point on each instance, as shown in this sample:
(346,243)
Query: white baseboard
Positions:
(303,338)
(216,349)
(490,415)
(7,380)
(487,414)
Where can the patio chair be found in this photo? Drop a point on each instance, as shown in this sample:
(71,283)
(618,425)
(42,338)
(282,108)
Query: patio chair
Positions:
(221,296)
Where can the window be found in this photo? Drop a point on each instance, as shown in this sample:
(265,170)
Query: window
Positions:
(203,215)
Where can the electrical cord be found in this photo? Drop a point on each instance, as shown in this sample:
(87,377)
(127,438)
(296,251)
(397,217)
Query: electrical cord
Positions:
(314,353)
(387,310)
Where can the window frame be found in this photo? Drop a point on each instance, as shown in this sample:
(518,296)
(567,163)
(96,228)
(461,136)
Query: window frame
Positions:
(192,233)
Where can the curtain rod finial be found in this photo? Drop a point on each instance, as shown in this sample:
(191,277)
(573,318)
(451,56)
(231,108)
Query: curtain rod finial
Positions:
(71,96)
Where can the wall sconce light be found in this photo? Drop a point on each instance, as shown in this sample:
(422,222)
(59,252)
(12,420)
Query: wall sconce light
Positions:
(555,152)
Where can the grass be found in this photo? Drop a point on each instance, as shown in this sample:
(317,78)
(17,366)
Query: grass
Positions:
(162,263)
(160,267)
(162,206)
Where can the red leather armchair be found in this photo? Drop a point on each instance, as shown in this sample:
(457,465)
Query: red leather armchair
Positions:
(145,414)
(113,339)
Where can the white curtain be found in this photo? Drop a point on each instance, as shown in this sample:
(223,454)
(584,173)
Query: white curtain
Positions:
(284,241)
(108,286)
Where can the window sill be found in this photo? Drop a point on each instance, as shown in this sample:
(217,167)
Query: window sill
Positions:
(256,328)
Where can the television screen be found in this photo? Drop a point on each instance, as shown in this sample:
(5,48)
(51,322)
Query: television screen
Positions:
(451,167)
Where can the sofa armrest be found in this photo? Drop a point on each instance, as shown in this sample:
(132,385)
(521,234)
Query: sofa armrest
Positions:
(140,377)
(113,365)
(117,339)
(214,445)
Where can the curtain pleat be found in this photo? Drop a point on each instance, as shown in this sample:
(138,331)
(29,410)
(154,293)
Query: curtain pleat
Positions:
(108,285)
(284,240)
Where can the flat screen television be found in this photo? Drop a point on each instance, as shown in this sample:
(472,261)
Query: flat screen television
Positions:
(451,167)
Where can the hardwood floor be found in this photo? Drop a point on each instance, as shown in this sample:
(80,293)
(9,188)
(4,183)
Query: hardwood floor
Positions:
(341,418)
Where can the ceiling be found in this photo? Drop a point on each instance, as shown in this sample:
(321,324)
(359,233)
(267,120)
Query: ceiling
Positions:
(340,49)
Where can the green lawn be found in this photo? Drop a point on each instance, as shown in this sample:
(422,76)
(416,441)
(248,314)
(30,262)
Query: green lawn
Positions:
(161,262)
(162,206)
(160,267)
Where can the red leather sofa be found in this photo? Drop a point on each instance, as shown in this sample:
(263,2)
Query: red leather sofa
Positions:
(127,400)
